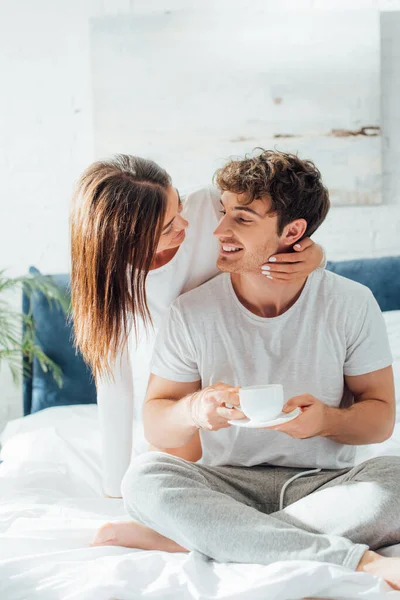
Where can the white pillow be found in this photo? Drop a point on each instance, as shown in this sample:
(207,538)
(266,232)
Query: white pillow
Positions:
(70,421)
(392,320)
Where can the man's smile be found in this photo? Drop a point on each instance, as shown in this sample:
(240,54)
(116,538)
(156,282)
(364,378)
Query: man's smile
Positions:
(230,249)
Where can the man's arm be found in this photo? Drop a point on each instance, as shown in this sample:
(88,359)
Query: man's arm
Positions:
(371,419)
(166,413)
(174,412)
(192,452)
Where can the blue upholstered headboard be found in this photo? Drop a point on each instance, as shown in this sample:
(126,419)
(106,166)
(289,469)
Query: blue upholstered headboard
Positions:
(54,333)
(381,275)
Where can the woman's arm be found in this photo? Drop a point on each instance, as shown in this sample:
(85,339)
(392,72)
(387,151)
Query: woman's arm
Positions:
(289,266)
(115,402)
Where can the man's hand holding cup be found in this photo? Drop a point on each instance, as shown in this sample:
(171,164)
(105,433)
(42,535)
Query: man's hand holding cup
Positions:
(208,408)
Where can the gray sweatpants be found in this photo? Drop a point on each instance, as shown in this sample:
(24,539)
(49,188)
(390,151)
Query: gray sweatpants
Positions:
(239,514)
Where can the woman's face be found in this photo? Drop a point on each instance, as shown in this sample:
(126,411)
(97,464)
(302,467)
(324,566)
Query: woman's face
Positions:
(173,232)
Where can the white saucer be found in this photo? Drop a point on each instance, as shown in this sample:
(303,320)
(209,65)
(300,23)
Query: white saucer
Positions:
(281,418)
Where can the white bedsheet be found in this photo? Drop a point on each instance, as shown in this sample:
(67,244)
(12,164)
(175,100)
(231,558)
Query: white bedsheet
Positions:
(51,504)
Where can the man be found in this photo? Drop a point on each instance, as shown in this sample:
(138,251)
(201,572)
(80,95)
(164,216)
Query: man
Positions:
(252,498)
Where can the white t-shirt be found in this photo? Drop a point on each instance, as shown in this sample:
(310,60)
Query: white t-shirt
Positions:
(335,328)
(121,400)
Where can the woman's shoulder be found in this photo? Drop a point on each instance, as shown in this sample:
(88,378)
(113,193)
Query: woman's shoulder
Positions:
(202,198)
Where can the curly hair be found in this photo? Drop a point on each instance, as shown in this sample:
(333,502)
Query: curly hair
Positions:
(293,186)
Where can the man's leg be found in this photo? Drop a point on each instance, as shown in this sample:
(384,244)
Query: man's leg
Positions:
(361,504)
(208,510)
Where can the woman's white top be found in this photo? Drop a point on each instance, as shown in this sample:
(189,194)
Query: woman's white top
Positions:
(120,401)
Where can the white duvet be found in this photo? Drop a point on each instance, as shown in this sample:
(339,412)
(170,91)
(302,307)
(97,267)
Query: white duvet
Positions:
(51,503)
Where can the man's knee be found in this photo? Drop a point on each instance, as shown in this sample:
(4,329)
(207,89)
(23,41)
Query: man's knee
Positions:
(384,470)
(143,483)
(382,474)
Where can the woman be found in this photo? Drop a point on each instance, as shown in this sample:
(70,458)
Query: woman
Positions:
(135,249)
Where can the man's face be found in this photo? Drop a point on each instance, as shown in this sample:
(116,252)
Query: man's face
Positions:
(247,234)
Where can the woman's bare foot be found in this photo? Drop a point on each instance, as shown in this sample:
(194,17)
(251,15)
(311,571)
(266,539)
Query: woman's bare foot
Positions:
(382,566)
(131,534)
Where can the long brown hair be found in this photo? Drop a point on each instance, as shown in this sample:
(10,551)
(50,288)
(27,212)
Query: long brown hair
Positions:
(117,216)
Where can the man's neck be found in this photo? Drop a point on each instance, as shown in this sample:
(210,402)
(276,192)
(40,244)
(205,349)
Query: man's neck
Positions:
(263,297)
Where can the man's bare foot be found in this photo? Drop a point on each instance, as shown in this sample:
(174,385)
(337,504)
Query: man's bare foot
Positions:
(131,534)
(382,566)
(388,568)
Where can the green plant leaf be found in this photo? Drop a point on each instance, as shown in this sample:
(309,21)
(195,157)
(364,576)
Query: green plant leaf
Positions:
(17,330)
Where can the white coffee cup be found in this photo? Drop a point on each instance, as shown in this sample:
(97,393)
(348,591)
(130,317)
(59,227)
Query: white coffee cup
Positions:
(261,403)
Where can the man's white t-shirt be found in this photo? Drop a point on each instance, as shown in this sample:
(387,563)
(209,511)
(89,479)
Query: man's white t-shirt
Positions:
(120,400)
(335,328)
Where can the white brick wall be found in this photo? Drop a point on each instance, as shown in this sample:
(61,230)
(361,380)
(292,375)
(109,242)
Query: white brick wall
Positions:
(46,136)
(374,231)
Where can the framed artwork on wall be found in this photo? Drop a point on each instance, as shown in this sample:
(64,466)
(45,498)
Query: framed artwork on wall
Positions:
(193,86)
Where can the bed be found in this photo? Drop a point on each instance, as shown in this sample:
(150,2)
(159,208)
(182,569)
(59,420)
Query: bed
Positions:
(51,503)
